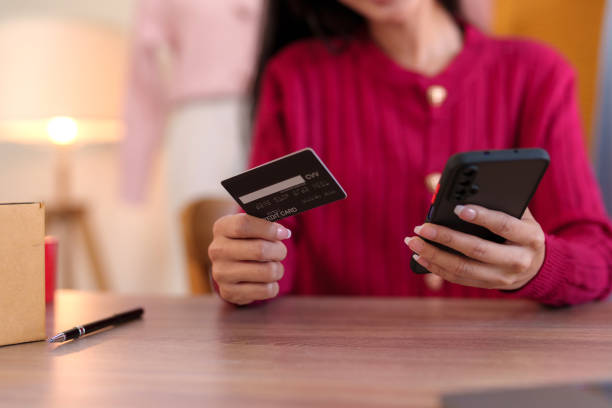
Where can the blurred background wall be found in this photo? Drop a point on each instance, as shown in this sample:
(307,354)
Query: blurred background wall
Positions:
(131,239)
(572,27)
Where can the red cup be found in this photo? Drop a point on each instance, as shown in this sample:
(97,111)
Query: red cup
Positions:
(50,267)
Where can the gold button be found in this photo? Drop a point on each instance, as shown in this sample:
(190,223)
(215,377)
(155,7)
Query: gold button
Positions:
(431,181)
(436,94)
(433,282)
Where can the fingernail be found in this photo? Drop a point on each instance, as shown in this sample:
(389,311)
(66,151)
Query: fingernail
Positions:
(414,243)
(427,232)
(278,273)
(465,213)
(273,288)
(422,261)
(458,209)
(283,233)
(417,229)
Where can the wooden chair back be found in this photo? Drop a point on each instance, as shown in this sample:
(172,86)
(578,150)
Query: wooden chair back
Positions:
(197,220)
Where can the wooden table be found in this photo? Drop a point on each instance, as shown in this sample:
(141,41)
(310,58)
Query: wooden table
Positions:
(303,352)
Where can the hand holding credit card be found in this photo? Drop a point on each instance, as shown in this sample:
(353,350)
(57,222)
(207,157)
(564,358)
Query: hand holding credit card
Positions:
(286,186)
(247,249)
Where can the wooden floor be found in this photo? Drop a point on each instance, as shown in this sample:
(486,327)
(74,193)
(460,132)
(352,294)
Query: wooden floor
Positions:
(303,352)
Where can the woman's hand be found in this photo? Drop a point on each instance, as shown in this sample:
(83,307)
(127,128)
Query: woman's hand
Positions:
(486,264)
(246,252)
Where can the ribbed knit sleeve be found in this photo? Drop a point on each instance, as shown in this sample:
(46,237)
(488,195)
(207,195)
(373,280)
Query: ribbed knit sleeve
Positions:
(578,262)
(270,141)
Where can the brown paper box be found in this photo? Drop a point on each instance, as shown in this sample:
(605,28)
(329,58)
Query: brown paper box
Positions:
(22,272)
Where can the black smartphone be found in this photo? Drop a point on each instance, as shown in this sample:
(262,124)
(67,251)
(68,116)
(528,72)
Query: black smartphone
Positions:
(501,180)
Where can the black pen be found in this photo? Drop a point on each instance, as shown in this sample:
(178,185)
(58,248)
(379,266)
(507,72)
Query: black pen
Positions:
(79,331)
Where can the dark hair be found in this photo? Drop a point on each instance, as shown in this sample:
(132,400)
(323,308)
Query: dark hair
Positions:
(286,21)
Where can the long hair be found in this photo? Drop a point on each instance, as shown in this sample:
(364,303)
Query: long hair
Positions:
(286,21)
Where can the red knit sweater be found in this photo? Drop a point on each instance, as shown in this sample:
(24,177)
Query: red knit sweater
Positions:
(372,124)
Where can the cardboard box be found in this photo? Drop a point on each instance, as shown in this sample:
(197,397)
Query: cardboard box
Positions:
(22,272)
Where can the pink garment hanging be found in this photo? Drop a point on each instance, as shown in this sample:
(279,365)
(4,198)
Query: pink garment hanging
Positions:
(211,47)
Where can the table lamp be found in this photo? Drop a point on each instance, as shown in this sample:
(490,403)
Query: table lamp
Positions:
(61,82)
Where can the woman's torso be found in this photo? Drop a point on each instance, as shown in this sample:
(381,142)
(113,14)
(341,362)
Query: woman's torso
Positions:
(380,134)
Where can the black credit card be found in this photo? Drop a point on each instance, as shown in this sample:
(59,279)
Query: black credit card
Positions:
(286,186)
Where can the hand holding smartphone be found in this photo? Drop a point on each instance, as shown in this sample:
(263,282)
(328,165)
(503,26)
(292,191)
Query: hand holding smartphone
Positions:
(500,180)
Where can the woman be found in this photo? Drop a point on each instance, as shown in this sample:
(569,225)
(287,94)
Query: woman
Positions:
(385,91)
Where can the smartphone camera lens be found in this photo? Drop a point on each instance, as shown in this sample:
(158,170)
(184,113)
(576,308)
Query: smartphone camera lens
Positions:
(470,171)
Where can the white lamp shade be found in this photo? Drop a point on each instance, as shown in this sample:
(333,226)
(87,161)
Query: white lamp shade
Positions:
(52,67)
